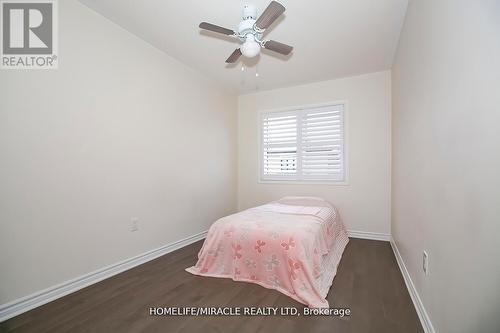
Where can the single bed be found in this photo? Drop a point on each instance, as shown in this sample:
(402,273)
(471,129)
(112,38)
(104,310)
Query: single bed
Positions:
(292,245)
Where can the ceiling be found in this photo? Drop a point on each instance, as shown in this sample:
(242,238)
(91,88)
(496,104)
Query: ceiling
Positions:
(331,38)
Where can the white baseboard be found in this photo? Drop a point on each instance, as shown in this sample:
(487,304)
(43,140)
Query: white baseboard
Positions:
(37,299)
(369,235)
(417,302)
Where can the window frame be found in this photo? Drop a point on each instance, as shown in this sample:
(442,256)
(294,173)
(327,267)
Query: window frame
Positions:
(260,176)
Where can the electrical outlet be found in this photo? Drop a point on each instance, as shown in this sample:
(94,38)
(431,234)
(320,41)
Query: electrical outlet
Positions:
(425,263)
(134,225)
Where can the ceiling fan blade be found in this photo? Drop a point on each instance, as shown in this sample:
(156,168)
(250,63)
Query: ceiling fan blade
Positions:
(234,56)
(278,47)
(216,28)
(269,15)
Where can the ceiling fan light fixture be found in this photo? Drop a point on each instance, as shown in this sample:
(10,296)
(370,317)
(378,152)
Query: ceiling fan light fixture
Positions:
(250,32)
(250,47)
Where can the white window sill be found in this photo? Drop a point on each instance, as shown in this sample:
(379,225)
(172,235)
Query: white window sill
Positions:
(306,182)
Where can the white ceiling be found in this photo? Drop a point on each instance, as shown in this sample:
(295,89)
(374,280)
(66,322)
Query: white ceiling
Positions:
(331,38)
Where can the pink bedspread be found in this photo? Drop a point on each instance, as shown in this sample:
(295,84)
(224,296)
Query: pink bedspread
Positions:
(293,245)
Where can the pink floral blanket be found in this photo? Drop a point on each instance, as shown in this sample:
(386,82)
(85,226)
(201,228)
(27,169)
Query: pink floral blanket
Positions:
(293,245)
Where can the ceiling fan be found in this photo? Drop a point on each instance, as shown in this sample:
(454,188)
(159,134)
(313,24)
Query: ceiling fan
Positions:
(250,31)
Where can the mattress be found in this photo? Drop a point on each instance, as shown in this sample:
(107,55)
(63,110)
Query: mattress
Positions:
(293,245)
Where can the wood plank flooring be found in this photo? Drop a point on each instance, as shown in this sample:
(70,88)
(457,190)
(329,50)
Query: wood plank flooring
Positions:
(368,282)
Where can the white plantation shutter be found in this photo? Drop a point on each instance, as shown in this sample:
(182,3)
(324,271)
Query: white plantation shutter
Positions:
(322,143)
(304,145)
(279,143)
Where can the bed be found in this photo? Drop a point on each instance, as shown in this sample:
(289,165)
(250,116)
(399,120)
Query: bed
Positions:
(292,245)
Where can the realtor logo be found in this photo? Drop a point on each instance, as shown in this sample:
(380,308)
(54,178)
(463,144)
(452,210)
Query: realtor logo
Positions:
(28,37)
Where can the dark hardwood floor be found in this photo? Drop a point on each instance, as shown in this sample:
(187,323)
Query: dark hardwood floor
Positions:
(368,282)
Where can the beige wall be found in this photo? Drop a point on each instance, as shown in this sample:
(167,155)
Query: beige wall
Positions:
(446,159)
(365,202)
(120,130)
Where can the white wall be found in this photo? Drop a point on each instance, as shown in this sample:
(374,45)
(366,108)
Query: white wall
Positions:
(365,202)
(446,159)
(120,130)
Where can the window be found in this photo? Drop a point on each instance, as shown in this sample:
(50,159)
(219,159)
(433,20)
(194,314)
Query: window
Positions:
(304,144)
